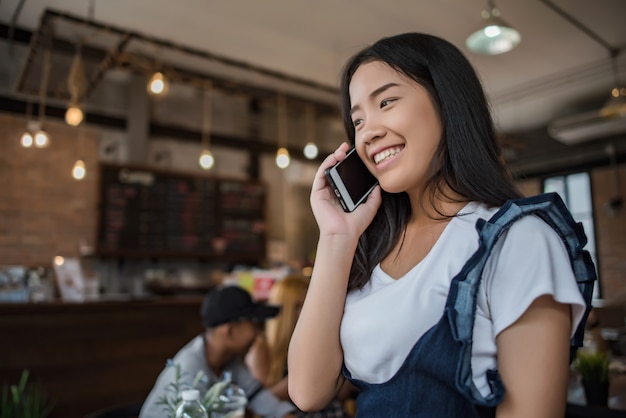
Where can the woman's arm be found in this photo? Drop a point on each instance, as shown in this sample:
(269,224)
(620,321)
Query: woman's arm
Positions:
(279,389)
(533,361)
(258,360)
(315,354)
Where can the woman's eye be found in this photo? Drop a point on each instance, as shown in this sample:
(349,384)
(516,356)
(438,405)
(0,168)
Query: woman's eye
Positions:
(386,102)
(357,122)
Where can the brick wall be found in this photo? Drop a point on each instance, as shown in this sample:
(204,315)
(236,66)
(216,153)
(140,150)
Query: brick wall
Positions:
(610,232)
(45,212)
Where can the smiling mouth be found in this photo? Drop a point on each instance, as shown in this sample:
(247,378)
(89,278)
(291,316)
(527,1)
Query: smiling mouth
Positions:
(387,154)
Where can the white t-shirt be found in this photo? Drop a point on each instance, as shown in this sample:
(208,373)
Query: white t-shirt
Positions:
(383,320)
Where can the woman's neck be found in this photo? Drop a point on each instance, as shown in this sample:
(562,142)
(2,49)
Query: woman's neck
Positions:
(428,208)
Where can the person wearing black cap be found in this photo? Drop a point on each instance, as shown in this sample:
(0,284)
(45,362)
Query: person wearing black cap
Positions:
(232,322)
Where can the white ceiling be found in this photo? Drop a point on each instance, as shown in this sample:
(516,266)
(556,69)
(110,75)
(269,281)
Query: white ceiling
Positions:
(556,67)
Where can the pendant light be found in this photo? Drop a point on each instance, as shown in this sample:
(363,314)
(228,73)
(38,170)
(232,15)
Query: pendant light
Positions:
(158,85)
(75,85)
(310,148)
(41,138)
(79,170)
(282,155)
(206,159)
(495,36)
(615,106)
(27,137)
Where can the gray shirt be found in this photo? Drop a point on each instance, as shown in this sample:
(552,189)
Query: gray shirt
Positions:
(191,359)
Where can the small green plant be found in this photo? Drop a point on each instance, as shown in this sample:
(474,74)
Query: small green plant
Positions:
(592,366)
(210,400)
(24,400)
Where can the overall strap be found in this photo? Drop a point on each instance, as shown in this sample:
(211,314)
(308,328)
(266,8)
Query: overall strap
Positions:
(461,303)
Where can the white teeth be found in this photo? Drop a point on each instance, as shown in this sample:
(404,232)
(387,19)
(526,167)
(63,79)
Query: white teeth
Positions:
(386,154)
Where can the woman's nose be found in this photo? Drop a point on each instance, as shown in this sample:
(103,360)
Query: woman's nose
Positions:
(372,131)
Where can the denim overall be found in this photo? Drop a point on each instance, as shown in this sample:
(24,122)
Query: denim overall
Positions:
(435,380)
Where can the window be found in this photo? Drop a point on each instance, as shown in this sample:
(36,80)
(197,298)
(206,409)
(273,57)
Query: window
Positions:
(575,190)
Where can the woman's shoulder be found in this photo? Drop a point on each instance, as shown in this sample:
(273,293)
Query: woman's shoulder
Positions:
(260,349)
(258,359)
(471,212)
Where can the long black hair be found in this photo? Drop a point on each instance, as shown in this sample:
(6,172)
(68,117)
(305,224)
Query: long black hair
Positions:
(468,160)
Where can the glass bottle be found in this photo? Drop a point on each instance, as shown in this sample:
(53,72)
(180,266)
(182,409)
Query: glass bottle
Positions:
(191,407)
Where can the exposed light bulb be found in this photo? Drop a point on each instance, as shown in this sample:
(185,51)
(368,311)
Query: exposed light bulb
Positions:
(158,84)
(58,260)
(26,140)
(79,171)
(282,158)
(74,115)
(492,31)
(206,160)
(41,139)
(494,37)
(616,105)
(310,150)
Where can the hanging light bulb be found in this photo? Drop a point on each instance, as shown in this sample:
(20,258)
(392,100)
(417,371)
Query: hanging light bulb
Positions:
(76,87)
(310,150)
(206,160)
(26,140)
(158,84)
(282,158)
(495,36)
(42,140)
(79,171)
(282,155)
(615,106)
(74,115)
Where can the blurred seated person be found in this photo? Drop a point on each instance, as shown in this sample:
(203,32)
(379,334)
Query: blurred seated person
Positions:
(267,358)
(232,321)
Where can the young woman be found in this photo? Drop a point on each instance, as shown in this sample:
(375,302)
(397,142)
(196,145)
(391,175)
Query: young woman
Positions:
(445,294)
(268,357)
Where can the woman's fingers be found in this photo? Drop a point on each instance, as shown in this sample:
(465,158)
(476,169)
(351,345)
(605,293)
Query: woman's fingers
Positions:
(332,159)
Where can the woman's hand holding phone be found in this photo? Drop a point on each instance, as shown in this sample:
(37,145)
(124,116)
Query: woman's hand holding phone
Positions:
(329,213)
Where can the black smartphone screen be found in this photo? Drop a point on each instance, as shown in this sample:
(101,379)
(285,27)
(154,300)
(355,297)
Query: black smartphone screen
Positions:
(351,181)
(356,177)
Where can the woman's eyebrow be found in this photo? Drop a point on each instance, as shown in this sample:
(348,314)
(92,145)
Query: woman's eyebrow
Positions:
(375,93)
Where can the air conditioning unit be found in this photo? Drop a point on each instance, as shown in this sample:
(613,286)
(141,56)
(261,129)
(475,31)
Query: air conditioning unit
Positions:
(587,126)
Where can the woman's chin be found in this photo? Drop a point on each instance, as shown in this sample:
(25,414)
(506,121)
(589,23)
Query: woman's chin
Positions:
(388,187)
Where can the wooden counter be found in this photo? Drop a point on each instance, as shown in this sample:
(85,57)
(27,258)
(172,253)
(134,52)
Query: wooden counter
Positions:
(93,355)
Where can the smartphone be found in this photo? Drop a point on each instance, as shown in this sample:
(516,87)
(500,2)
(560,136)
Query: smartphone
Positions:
(351,181)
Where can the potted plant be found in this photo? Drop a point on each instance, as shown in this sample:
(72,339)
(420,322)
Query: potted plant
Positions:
(219,400)
(24,400)
(593,367)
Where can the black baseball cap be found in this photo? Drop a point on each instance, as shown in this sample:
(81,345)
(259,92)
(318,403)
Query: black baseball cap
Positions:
(231,303)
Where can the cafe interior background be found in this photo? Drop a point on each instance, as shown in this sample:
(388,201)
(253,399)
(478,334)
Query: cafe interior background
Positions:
(131,95)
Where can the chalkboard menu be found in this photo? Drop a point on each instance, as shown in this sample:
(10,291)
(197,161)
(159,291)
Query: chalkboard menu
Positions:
(150,213)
